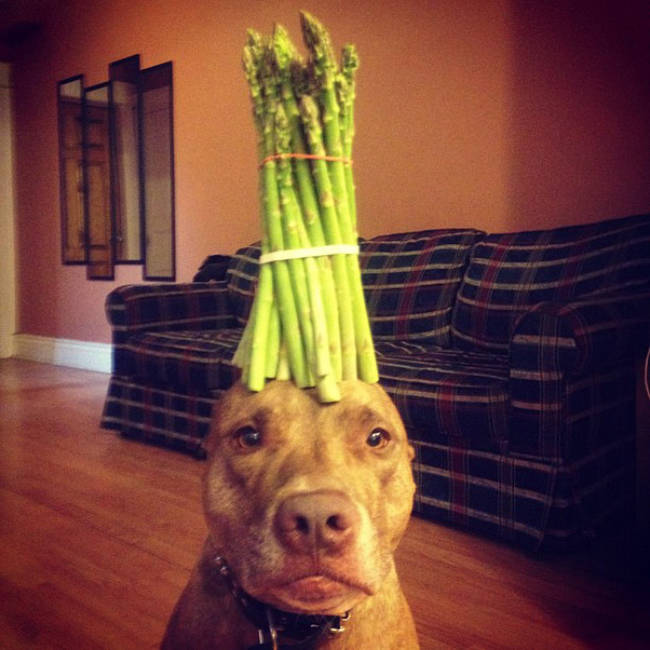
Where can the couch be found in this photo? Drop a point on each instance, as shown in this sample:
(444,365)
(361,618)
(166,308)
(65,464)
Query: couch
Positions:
(510,356)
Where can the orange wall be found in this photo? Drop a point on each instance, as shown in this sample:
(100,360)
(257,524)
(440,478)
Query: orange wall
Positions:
(498,114)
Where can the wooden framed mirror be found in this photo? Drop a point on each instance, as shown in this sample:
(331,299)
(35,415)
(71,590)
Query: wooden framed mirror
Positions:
(125,160)
(116,159)
(97,182)
(157,142)
(70,93)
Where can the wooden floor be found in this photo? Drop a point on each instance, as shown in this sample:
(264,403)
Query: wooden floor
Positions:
(98,534)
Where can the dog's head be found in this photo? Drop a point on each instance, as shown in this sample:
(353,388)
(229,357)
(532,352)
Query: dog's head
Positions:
(308,501)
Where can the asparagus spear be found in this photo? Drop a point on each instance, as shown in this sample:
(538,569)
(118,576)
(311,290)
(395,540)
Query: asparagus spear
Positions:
(331,226)
(273,342)
(273,220)
(289,68)
(325,70)
(290,216)
(252,350)
(324,65)
(347,95)
(258,358)
(304,273)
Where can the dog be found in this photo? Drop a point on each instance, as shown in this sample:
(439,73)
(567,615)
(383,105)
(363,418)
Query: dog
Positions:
(305,505)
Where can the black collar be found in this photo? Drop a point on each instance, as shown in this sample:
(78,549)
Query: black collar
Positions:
(276,629)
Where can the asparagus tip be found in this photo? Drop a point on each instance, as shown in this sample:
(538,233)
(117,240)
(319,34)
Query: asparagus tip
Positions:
(284,50)
(316,38)
(349,60)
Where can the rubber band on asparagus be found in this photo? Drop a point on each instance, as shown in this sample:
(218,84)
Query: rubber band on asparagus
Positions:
(304,156)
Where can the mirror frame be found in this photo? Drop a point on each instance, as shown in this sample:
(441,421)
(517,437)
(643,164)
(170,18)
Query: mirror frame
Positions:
(152,78)
(125,70)
(160,184)
(63,179)
(91,266)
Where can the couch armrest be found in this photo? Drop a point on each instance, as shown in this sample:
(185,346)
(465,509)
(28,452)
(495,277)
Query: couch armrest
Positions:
(164,307)
(136,308)
(582,335)
(555,344)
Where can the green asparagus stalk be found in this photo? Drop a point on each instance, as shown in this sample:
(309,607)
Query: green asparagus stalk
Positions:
(273,219)
(309,319)
(331,226)
(324,64)
(304,274)
(290,213)
(347,94)
(325,70)
(284,373)
(273,342)
(241,356)
(288,63)
(258,358)
(252,350)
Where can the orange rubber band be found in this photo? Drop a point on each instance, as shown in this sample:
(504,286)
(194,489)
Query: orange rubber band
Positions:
(304,156)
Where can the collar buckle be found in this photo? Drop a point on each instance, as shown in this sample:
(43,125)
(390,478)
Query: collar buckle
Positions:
(337,626)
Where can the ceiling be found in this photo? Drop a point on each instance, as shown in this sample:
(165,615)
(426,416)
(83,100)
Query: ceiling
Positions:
(19,20)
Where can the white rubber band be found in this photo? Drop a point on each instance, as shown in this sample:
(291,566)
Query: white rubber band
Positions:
(315,251)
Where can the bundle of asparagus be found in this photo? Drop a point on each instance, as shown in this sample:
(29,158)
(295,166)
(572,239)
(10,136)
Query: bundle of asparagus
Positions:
(309,321)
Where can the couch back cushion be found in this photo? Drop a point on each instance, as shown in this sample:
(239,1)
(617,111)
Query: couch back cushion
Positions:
(509,273)
(242,281)
(410,282)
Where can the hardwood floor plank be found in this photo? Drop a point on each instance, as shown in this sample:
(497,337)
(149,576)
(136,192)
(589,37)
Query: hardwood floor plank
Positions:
(98,535)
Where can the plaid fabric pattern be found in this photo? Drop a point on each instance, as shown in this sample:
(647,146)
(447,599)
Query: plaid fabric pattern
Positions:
(528,502)
(161,416)
(410,282)
(571,389)
(132,309)
(447,396)
(523,428)
(242,281)
(196,360)
(510,273)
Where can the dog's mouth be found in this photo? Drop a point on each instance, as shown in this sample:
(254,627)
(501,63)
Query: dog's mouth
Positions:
(319,587)
(317,594)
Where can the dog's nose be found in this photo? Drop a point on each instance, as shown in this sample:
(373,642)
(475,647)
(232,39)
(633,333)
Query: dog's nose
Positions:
(325,520)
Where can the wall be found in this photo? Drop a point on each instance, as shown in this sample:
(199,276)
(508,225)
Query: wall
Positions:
(491,113)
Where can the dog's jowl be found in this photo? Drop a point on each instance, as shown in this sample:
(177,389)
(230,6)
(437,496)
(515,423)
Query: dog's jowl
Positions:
(305,505)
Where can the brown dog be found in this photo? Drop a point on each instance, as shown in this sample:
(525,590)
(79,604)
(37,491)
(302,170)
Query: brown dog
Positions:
(305,505)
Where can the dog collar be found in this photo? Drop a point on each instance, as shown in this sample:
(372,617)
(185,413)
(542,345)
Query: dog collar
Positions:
(276,629)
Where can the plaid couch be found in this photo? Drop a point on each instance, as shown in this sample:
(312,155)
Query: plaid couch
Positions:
(510,356)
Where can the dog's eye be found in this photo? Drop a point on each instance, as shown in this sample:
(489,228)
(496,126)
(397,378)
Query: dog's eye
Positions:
(378,438)
(248,437)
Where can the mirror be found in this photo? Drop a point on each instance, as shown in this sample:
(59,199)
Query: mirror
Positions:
(97,182)
(116,162)
(156,103)
(71,194)
(125,160)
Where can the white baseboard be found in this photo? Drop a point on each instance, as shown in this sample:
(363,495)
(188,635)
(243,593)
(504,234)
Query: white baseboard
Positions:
(6,346)
(63,352)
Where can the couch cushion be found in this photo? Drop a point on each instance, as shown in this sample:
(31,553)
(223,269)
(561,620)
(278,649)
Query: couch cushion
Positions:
(242,281)
(509,273)
(447,396)
(186,359)
(410,282)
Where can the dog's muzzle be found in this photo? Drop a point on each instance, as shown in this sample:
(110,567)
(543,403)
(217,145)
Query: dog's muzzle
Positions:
(276,629)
